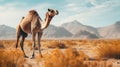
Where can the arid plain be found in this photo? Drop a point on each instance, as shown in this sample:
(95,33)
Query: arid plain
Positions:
(62,53)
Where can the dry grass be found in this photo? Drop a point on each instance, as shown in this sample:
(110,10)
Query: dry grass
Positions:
(56,44)
(98,64)
(11,58)
(57,57)
(7,43)
(68,58)
(48,44)
(1,45)
(109,49)
(75,58)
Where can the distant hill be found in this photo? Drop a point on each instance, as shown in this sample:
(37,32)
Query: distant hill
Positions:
(85,35)
(111,31)
(7,32)
(56,32)
(75,26)
(73,29)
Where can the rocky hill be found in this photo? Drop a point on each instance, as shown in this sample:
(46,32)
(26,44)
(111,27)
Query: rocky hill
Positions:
(73,29)
(111,31)
(7,32)
(56,32)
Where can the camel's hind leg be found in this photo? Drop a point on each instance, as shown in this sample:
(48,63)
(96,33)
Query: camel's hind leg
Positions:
(22,45)
(39,45)
(18,32)
(18,35)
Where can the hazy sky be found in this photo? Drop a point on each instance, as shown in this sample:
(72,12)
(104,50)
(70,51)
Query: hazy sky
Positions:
(96,13)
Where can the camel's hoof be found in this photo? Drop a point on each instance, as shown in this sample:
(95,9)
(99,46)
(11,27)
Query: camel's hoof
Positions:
(26,56)
(32,57)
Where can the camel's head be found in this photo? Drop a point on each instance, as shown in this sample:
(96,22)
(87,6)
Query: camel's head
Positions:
(52,13)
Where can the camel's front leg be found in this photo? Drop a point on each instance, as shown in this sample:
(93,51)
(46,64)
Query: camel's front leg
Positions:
(39,45)
(33,43)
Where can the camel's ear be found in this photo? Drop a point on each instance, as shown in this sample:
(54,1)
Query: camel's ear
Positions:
(57,12)
(49,9)
(23,17)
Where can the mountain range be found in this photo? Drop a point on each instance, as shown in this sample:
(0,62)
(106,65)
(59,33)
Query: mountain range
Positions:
(73,29)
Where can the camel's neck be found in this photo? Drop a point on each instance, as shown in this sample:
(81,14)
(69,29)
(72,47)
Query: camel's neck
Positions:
(46,22)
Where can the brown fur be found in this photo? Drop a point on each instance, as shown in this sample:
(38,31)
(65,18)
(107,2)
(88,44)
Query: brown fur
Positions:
(32,24)
(32,19)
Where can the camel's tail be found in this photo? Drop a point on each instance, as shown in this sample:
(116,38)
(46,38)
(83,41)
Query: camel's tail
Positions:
(18,30)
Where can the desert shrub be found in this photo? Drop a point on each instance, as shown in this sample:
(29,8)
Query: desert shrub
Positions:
(70,43)
(109,50)
(56,44)
(11,58)
(75,58)
(2,45)
(67,58)
(101,63)
(55,59)
(30,45)
(8,43)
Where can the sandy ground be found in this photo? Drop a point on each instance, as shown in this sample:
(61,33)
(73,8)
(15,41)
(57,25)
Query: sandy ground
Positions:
(87,49)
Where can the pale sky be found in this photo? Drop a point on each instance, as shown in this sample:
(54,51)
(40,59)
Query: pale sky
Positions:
(95,13)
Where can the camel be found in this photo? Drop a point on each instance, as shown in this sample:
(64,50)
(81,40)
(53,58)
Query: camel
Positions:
(32,23)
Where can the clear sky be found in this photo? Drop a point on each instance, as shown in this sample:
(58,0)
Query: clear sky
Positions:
(96,13)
